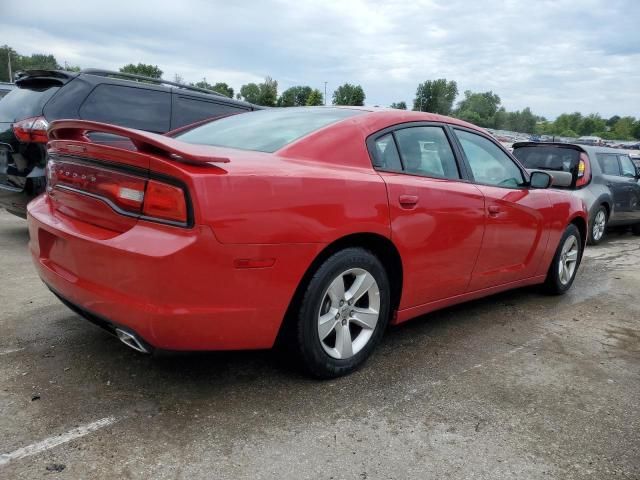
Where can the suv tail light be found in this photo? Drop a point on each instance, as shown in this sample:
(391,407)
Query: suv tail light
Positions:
(31,130)
(584,171)
(125,193)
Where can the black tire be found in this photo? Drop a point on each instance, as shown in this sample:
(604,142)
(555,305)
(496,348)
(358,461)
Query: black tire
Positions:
(635,229)
(308,346)
(554,284)
(593,238)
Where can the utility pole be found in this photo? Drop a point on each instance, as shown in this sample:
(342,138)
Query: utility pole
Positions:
(325,94)
(9,57)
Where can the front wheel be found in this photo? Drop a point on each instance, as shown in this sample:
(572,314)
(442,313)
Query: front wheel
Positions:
(565,263)
(343,313)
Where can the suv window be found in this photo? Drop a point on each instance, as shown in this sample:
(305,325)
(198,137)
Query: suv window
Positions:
(489,164)
(609,164)
(132,107)
(628,168)
(188,110)
(22,103)
(426,151)
(386,156)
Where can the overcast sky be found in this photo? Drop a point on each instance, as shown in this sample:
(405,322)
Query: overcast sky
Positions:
(553,56)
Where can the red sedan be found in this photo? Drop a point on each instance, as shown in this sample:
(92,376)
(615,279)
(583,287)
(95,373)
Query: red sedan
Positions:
(315,226)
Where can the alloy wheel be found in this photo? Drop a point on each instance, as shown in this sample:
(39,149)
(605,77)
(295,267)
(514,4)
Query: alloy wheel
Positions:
(568,259)
(349,313)
(599,224)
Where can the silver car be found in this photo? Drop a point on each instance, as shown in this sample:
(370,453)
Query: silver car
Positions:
(604,178)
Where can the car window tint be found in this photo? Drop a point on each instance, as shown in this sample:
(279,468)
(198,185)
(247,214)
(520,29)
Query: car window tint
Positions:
(131,107)
(627,166)
(188,110)
(609,164)
(386,156)
(27,101)
(426,151)
(489,164)
(558,159)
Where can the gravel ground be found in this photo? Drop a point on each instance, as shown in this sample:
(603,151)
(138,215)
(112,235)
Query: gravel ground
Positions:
(518,385)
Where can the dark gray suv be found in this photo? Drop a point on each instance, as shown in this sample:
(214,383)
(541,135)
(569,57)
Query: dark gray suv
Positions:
(606,179)
(41,96)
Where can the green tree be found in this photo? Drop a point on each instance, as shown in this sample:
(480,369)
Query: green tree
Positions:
(478,108)
(436,96)
(295,96)
(623,128)
(37,61)
(250,93)
(636,130)
(613,120)
(142,69)
(399,105)
(315,98)
(348,94)
(568,133)
(219,87)
(591,124)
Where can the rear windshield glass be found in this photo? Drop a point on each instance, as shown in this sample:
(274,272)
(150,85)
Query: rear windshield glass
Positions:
(557,159)
(265,130)
(28,102)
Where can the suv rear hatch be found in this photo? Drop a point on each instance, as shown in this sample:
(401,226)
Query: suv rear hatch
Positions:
(23,129)
(555,157)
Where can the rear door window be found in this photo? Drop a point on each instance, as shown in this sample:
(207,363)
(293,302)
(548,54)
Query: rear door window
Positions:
(26,102)
(187,110)
(133,107)
(426,151)
(609,164)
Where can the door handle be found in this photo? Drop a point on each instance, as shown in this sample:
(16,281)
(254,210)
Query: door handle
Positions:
(408,201)
(494,210)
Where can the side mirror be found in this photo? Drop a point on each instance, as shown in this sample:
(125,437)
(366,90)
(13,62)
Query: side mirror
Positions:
(540,179)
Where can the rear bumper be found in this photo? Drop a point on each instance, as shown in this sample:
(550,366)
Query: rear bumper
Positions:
(15,199)
(177,289)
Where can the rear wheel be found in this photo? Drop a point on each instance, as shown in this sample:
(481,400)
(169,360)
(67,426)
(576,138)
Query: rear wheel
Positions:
(598,226)
(565,263)
(343,313)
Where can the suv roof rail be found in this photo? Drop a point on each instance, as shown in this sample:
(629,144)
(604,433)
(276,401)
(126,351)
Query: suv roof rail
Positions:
(160,81)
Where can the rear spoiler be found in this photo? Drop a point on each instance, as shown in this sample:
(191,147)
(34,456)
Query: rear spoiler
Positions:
(72,135)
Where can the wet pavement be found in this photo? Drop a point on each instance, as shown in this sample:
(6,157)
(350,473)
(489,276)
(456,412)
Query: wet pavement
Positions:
(518,385)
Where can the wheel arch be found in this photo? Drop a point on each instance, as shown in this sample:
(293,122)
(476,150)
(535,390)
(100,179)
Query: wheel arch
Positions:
(581,225)
(381,246)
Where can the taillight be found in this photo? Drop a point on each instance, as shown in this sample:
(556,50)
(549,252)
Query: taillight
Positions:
(31,130)
(584,171)
(125,193)
(165,202)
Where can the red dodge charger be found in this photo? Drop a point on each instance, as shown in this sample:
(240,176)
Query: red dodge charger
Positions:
(317,226)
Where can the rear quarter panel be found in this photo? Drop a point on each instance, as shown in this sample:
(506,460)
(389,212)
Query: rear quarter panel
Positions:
(565,208)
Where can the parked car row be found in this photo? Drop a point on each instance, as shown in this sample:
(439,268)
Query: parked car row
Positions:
(311,227)
(606,179)
(43,96)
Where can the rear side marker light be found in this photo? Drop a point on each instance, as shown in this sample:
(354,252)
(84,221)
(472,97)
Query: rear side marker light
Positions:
(31,130)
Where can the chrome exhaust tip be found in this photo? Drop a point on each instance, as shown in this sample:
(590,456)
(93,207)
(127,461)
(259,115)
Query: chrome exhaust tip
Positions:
(130,340)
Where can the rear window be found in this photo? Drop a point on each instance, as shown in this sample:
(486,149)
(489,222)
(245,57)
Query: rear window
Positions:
(26,102)
(557,159)
(265,130)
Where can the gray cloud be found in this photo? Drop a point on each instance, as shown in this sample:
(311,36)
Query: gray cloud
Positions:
(553,56)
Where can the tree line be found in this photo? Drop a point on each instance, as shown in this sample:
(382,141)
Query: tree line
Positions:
(484,109)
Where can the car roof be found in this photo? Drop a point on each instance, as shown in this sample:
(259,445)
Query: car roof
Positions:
(139,81)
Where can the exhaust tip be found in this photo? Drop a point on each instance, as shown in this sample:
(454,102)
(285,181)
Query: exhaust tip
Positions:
(130,340)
